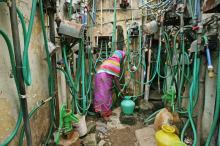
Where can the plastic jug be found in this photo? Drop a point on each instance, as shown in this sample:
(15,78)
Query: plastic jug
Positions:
(127,105)
(81,126)
(166,136)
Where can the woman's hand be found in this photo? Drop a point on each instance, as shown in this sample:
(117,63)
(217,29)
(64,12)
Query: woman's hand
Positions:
(122,93)
(121,90)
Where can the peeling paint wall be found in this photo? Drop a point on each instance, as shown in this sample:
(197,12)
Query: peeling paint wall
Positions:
(9,105)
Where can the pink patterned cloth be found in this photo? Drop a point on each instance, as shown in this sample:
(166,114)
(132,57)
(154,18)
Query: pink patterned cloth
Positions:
(103,82)
(103,92)
(112,64)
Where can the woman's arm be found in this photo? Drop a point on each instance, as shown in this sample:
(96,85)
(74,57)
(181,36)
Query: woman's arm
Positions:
(117,83)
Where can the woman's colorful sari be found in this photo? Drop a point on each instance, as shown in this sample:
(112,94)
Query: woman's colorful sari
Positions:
(103,82)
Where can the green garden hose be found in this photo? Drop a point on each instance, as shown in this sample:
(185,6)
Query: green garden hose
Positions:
(13,68)
(192,93)
(26,65)
(12,60)
(217,107)
(14,132)
(74,85)
(140,50)
(67,68)
(182,58)
(70,9)
(33,111)
(31,114)
(51,85)
(83,77)
(21,17)
(151,117)
(114,27)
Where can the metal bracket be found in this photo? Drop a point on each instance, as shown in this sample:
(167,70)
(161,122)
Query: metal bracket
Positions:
(23,96)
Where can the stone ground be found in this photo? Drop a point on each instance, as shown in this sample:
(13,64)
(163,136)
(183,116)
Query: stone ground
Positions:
(113,133)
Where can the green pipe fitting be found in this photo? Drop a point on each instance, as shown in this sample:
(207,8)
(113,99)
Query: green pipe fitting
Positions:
(67,118)
(169,97)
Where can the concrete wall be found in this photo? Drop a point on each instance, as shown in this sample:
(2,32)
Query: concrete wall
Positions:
(104,20)
(124,17)
(9,105)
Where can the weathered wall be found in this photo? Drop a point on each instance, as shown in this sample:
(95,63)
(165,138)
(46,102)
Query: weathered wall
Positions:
(105,17)
(9,105)
(124,17)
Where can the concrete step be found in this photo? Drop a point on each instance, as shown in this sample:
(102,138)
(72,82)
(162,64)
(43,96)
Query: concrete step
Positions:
(145,136)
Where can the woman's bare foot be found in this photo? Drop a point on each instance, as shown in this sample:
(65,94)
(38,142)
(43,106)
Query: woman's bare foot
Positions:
(106,115)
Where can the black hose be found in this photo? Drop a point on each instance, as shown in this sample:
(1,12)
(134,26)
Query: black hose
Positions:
(19,76)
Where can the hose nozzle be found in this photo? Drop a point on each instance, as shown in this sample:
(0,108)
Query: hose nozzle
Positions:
(211,73)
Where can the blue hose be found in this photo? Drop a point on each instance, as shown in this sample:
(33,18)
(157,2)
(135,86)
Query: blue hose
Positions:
(208,57)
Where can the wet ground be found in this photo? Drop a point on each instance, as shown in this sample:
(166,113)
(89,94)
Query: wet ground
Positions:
(113,133)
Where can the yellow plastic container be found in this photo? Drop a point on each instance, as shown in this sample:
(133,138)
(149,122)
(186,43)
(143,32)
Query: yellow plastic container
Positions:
(166,136)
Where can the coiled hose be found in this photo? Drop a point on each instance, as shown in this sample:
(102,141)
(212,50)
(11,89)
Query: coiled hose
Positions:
(26,68)
(50,78)
(12,60)
(217,107)
(51,85)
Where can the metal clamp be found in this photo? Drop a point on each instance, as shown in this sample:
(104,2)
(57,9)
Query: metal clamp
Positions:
(23,96)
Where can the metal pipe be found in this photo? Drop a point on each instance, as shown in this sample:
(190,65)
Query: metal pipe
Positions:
(19,76)
(52,28)
(53,62)
(101,17)
(147,86)
(119,21)
(200,102)
(111,9)
(181,74)
(143,52)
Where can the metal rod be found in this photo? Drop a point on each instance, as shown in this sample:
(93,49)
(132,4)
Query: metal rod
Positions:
(19,76)
(111,9)
(52,29)
(53,62)
(101,17)
(147,86)
(200,103)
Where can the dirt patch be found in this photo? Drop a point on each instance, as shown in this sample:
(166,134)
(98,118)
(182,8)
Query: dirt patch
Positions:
(122,137)
(125,136)
(113,132)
